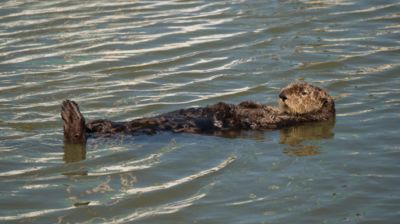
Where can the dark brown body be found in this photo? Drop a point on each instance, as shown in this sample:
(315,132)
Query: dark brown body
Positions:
(213,119)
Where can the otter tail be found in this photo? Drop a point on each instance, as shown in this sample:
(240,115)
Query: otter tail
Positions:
(74,123)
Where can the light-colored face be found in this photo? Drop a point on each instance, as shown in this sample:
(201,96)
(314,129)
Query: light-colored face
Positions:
(303,98)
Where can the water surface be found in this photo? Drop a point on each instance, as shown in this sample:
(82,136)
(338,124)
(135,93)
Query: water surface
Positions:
(126,59)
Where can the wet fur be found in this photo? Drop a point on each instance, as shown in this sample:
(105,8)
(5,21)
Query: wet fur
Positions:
(299,103)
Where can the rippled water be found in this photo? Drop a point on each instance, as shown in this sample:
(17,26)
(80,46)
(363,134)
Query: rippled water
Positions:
(126,59)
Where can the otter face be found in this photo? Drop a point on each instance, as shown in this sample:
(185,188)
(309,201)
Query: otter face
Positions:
(303,98)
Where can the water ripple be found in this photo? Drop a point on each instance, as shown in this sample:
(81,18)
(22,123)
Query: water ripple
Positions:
(158,210)
(183,180)
(126,59)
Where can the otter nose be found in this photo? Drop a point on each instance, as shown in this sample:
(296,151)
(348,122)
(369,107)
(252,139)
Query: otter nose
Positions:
(283,96)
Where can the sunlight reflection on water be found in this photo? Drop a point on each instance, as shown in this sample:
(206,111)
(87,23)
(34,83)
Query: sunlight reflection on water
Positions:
(127,59)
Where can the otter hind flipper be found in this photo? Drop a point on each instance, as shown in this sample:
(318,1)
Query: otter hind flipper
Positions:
(74,123)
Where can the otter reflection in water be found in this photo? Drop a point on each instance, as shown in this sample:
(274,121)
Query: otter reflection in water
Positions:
(299,103)
(293,137)
(74,152)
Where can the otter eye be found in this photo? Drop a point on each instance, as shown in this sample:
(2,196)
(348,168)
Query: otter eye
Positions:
(303,93)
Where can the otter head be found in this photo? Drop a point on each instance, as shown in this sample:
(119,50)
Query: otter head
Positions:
(303,98)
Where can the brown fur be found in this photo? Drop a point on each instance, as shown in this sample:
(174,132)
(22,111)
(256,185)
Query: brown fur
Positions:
(299,103)
(74,123)
(303,98)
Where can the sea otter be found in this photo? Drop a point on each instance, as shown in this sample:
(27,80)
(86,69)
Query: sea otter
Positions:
(298,103)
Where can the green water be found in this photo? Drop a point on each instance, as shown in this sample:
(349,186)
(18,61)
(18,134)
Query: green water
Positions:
(126,59)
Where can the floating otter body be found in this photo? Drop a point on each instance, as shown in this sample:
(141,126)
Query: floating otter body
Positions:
(298,103)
